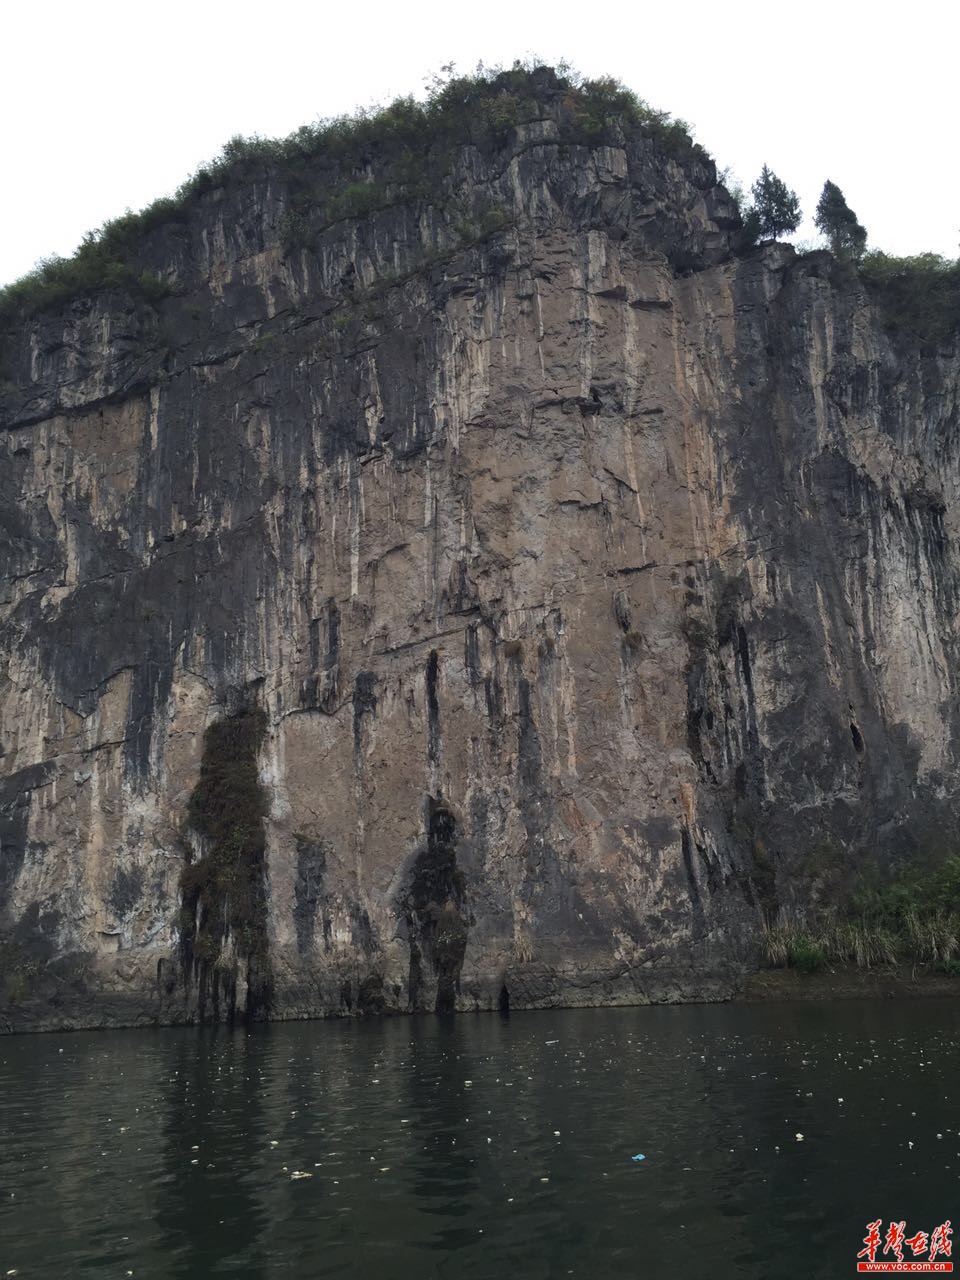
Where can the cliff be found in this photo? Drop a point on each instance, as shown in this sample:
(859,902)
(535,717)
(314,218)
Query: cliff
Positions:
(461,586)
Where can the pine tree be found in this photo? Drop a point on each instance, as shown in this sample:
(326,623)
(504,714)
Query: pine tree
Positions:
(839,224)
(777,209)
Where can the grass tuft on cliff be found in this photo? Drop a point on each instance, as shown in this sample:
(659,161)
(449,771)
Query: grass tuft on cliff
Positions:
(913,918)
(414,140)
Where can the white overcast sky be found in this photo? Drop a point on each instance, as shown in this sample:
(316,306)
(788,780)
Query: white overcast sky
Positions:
(107,105)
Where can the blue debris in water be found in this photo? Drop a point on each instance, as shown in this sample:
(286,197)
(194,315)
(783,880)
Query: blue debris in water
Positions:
(638,1158)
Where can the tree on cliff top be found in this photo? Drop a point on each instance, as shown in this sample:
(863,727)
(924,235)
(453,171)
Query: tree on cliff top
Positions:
(776,210)
(837,221)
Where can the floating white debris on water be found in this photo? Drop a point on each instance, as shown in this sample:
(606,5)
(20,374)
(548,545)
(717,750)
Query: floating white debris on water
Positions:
(300,1173)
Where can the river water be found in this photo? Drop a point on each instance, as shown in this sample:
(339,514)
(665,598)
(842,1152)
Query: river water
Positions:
(482,1146)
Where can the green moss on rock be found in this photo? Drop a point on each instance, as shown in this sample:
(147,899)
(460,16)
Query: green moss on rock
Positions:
(223,917)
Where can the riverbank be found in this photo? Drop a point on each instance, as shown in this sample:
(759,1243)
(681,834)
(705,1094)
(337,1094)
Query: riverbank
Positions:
(762,986)
(843,983)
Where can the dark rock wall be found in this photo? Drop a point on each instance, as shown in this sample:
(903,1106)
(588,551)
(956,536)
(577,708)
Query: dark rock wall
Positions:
(598,585)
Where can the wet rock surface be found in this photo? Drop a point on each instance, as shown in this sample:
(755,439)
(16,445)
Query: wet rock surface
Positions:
(588,574)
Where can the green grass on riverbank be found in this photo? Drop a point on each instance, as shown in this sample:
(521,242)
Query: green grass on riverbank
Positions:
(911,919)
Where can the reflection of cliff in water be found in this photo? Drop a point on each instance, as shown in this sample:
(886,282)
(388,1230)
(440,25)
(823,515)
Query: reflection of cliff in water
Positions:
(524,1170)
(210,1207)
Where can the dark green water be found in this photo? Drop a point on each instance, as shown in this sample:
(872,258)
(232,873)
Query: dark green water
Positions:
(482,1146)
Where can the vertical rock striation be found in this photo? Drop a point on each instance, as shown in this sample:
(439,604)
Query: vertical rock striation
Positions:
(556,583)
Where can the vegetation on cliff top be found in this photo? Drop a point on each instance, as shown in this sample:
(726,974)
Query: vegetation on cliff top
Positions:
(775,210)
(920,294)
(836,221)
(414,140)
(411,144)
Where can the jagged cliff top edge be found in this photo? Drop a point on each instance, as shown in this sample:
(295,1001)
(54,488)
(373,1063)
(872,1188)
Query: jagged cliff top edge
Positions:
(355,165)
(415,138)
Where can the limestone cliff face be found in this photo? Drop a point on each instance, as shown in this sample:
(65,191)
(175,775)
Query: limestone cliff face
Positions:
(598,585)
